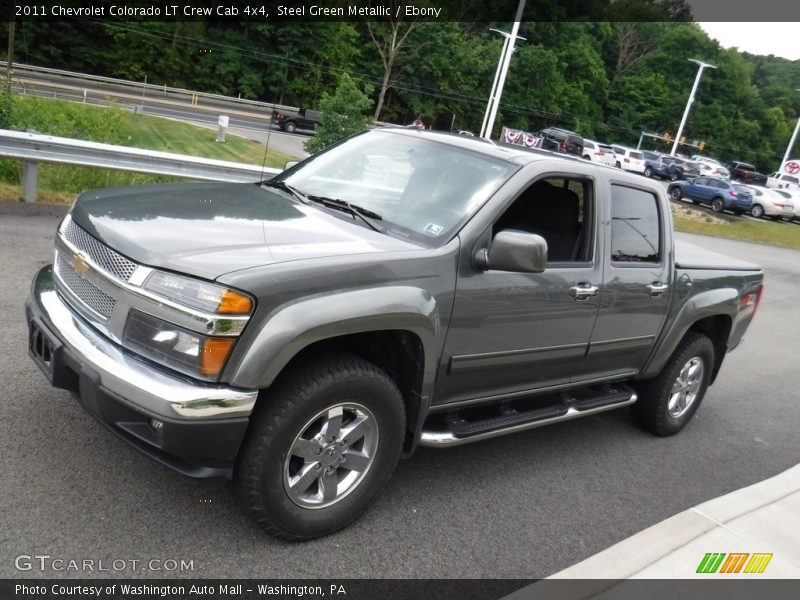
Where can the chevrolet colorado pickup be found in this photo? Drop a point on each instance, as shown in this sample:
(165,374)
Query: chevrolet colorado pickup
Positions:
(402,288)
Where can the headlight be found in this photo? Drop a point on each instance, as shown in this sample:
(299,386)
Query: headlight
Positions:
(208,297)
(180,349)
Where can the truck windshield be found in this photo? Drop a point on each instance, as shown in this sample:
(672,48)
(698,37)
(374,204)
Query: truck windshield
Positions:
(422,189)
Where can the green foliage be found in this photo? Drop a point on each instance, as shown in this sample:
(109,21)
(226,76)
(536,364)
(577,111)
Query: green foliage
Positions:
(344,113)
(624,70)
(118,126)
(6,106)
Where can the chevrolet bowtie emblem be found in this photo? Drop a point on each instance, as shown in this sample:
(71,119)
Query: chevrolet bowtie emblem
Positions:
(78,262)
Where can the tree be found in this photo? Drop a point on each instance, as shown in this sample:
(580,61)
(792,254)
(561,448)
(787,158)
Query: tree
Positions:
(389,39)
(343,113)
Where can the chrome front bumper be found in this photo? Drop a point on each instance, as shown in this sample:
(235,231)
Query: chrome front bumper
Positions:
(140,384)
(192,427)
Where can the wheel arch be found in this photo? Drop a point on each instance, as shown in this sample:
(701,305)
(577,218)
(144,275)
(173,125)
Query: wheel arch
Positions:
(710,313)
(396,328)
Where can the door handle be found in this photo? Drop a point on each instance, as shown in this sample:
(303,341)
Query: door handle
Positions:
(657,288)
(583,291)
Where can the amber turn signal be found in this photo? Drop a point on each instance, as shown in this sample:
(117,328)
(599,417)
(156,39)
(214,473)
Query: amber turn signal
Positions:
(214,353)
(234,303)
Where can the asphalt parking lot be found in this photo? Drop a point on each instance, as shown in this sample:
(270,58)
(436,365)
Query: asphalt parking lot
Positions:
(523,506)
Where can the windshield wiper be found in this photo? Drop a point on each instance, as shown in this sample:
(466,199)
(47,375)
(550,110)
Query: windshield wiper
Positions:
(362,213)
(282,185)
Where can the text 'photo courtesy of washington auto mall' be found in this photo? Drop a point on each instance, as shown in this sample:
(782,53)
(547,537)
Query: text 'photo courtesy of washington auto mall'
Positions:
(399,299)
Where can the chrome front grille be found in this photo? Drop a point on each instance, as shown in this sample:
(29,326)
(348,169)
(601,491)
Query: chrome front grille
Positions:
(88,293)
(107,259)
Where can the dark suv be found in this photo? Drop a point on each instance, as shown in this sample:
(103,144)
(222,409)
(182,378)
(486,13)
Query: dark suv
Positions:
(561,140)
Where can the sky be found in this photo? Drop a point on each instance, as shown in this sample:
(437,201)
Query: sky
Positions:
(780,39)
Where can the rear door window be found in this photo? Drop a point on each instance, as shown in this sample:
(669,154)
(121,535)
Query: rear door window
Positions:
(635,226)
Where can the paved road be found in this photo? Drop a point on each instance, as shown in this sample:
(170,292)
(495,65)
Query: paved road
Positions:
(526,505)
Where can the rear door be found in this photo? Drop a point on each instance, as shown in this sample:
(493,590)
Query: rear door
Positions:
(637,287)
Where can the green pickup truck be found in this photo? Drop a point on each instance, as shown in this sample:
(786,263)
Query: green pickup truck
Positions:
(402,288)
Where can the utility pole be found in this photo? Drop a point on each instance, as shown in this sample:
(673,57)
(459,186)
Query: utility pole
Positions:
(702,66)
(500,75)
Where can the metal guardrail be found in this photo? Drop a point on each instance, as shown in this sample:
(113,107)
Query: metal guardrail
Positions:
(19,68)
(34,148)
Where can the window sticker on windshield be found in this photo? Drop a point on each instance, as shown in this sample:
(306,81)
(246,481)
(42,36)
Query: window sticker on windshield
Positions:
(433,229)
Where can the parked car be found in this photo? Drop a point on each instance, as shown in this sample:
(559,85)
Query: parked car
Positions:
(299,335)
(713,167)
(775,204)
(746,173)
(597,152)
(680,168)
(794,198)
(628,159)
(561,140)
(783,181)
(720,194)
(656,165)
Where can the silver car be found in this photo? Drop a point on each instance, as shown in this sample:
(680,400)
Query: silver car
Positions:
(775,204)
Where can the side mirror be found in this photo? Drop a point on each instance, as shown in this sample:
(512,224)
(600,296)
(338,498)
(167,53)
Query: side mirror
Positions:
(514,250)
(289,164)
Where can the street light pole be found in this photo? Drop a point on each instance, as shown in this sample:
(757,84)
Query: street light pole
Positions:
(500,76)
(792,141)
(702,66)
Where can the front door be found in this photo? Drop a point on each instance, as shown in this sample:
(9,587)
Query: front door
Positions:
(514,332)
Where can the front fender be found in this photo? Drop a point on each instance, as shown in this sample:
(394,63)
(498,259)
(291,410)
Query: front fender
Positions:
(709,303)
(293,327)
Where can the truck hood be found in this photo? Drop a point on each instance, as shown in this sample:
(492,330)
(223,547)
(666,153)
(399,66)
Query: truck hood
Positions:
(211,229)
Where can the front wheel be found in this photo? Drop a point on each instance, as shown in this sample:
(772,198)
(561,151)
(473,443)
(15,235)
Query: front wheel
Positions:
(668,402)
(675,193)
(717,205)
(321,445)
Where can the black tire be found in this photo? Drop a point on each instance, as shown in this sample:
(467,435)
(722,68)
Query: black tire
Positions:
(737,212)
(776,218)
(648,171)
(290,127)
(757,211)
(673,176)
(675,193)
(696,202)
(717,205)
(652,411)
(619,166)
(587,157)
(262,476)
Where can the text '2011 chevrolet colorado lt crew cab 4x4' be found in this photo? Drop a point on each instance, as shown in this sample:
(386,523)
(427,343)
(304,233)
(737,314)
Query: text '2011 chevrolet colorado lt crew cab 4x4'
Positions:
(401,288)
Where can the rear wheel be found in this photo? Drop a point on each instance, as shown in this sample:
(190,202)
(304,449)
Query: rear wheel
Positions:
(717,205)
(648,171)
(321,446)
(673,176)
(668,402)
(757,211)
(290,127)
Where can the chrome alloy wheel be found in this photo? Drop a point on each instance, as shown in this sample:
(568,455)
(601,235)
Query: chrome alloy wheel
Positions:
(331,455)
(685,389)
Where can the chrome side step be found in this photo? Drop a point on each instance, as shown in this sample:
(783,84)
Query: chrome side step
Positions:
(571,409)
